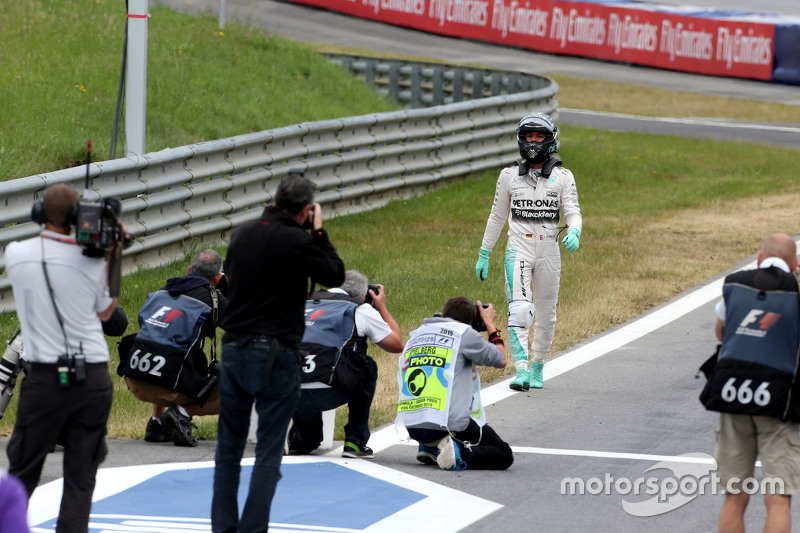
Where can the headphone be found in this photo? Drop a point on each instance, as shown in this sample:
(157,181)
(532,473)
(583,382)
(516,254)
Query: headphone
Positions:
(38,215)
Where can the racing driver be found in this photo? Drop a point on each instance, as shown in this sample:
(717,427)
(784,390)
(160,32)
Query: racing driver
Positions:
(532,196)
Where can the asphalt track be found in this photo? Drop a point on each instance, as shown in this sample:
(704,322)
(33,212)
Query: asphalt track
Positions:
(618,415)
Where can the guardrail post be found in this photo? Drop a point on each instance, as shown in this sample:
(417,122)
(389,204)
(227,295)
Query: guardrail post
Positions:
(416,87)
(477,85)
(369,72)
(497,83)
(458,85)
(438,89)
(394,80)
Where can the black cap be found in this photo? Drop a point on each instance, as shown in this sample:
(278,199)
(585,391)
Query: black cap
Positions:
(298,171)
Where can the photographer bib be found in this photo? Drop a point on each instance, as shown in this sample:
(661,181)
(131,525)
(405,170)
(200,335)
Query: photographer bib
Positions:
(330,326)
(162,352)
(426,369)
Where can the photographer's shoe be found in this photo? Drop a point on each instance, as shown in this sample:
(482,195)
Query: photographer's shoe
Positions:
(354,451)
(181,427)
(521,382)
(537,381)
(156,431)
(427,454)
(450,455)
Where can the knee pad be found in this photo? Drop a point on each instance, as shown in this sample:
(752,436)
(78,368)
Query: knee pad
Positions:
(521,314)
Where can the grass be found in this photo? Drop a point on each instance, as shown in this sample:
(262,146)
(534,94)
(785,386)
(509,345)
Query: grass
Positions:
(661,214)
(60,66)
(650,101)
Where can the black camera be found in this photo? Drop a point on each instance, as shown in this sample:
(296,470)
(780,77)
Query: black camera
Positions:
(477,323)
(368,298)
(97,227)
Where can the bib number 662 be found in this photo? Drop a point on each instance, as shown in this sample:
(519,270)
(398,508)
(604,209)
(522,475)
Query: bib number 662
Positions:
(744,394)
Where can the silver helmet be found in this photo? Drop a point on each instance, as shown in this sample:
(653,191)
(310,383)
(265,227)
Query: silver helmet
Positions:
(536,152)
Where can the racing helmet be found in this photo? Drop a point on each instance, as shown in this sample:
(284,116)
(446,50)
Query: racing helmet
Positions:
(536,152)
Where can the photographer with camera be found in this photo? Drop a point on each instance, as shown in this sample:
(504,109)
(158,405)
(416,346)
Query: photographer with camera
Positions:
(174,323)
(440,402)
(269,263)
(62,294)
(336,369)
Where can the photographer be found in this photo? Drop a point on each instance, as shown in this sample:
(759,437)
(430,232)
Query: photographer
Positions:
(62,295)
(180,342)
(443,354)
(269,263)
(324,386)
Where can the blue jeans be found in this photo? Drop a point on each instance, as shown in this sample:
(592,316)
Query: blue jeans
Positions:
(242,382)
(306,433)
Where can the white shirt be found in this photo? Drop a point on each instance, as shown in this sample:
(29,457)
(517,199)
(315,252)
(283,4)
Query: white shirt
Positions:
(369,322)
(79,290)
(766,263)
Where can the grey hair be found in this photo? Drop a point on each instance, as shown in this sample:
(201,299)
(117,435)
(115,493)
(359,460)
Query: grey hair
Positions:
(294,193)
(355,284)
(207,263)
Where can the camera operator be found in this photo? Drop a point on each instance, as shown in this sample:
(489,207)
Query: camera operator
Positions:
(324,387)
(62,296)
(182,383)
(444,353)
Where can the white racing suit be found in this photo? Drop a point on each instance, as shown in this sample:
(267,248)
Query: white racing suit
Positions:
(532,205)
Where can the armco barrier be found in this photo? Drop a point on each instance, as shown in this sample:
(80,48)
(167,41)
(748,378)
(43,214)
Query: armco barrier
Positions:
(192,196)
(704,41)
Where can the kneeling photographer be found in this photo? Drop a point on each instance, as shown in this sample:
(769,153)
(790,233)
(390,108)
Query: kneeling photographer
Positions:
(440,402)
(336,369)
(64,286)
(165,363)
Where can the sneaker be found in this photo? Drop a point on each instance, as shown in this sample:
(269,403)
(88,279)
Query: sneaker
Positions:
(354,451)
(181,427)
(521,382)
(450,455)
(536,375)
(427,454)
(156,431)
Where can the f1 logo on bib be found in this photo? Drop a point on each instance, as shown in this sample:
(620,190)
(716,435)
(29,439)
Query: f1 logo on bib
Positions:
(766,321)
(169,315)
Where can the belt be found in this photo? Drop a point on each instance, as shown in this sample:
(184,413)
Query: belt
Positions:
(54,366)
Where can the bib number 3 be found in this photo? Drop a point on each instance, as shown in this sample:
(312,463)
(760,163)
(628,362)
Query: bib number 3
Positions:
(745,394)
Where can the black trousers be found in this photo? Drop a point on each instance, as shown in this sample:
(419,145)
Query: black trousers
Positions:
(74,417)
(481,448)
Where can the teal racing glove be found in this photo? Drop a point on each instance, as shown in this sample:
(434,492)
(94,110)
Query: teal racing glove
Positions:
(482,266)
(572,240)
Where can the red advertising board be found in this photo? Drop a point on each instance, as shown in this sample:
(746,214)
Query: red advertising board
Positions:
(603,31)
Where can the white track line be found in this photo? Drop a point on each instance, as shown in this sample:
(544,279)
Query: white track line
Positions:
(575,357)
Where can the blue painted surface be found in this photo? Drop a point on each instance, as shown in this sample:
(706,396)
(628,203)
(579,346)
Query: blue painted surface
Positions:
(312,494)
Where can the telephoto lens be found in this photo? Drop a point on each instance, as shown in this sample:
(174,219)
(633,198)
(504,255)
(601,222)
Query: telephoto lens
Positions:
(9,369)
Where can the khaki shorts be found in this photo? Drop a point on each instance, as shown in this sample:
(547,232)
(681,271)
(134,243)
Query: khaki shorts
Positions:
(162,396)
(742,438)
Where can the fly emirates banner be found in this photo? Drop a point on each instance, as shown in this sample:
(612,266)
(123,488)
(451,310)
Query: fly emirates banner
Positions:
(603,31)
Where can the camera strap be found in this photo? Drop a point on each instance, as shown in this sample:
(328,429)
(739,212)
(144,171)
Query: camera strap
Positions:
(53,299)
(214,319)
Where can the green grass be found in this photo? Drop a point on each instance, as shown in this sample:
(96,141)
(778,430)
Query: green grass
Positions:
(424,250)
(59,72)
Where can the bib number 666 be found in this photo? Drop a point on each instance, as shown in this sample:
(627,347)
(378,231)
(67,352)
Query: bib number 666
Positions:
(744,394)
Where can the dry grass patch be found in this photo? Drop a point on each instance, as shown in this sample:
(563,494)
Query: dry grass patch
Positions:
(580,93)
(613,279)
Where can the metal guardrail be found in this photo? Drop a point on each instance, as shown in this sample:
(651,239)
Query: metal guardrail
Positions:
(195,195)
